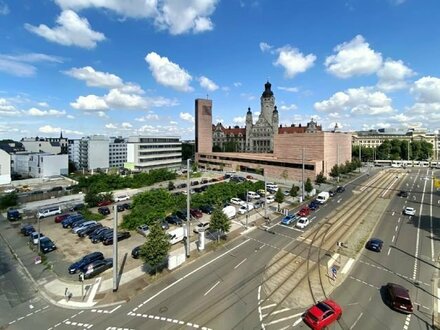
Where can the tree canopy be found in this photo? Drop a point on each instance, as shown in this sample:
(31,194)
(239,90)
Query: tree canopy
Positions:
(219,222)
(155,250)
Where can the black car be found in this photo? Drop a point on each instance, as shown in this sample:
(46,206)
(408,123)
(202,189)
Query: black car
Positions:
(98,231)
(13,215)
(173,220)
(206,209)
(104,210)
(77,207)
(403,193)
(181,214)
(84,261)
(84,232)
(314,205)
(374,244)
(126,206)
(120,208)
(331,193)
(96,267)
(135,253)
(26,230)
(102,235)
(121,236)
(77,223)
(46,245)
(340,189)
(66,223)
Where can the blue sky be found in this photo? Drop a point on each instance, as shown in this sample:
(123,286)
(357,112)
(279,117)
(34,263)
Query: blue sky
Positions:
(133,67)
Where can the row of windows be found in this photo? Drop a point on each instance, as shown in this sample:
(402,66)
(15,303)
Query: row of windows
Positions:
(152,140)
(259,162)
(170,146)
(179,159)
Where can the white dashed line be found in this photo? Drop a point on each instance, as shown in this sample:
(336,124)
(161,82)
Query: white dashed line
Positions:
(212,288)
(240,263)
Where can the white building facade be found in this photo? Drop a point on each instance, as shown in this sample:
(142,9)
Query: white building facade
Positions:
(117,152)
(146,153)
(40,165)
(94,152)
(5,167)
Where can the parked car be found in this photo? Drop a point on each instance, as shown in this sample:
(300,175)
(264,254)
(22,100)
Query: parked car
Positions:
(122,198)
(77,223)
(97,267)
(67,221)
(13,215)
(27,229)
(196,213)
(33,237)
(121,236)
(302,222)
(245,208)
(206,209)
(46,245)
(289,219)
(136,252)
(304,212)
(173,220)
(104,203)
(374,244)
(86,231)
(322,314)
(84,261)
(403,193)
(409,211)
(77,207)
(314,205)
(61,217)
(126,206)
(270,199)
(120,208)
(253,194)
(104,210)
(203,225)
(181,214)
(143,230)
(398,298)
(100,235)
(98,231)
(258,204)
(164,225)
(83,226)
(261,192)
(331,193)
(249,177)
(340,189)
(237,201)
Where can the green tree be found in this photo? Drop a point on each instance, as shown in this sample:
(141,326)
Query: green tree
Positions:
(219,222)
(334,172)
(188,150)
(279,197)
(171,185)
(216,148)
(294,191)
(156,248)
(8,200)
(308,186)
(320,178)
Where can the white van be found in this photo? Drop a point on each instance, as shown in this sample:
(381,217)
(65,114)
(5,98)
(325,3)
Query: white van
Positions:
(323,197)
(271,186)
(49,211)
(176,235)
(253,195)
(230,211)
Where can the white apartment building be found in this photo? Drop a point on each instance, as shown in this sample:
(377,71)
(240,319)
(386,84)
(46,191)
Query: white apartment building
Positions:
(53,146)
(94,152)
(145,153)
(5,167)
(74,152)
(40,165)
(117,151)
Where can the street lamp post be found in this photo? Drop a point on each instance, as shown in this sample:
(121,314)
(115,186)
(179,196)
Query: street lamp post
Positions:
(302,177)
(188,226)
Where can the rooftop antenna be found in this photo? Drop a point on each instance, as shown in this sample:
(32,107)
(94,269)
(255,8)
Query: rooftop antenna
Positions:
(207,96)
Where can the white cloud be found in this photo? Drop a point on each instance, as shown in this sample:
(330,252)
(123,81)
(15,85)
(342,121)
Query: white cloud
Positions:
(186,116)
(7,109)
(71,30)
(89,102)
(353,58)
(43,104)
(102,114)
(173,122)
(427,89)
(48,129)
(4,9)
(70,117)
(185,16)
(207,84)
(392,75)
(45,113)
(168,73)
(237,84)
(126,125)
(111,126)
(150,116)
(128,8)
(289,89)
(360,101)
(293,61)
(117,99)
(239,120)
(148,129)
(95,78)
(264,47)
(19,65)
(287,107)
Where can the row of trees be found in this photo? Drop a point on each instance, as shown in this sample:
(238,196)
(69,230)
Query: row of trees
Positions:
(395,150)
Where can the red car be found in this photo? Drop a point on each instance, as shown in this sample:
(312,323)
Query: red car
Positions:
(322,314)
(61,217)
(304,212)
(196,213)
(104,203)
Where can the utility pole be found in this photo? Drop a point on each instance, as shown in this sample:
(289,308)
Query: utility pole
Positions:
(265,196)
(247,208)
(115,248)
(408,149)
(302,177)
(188,196)
(360,156)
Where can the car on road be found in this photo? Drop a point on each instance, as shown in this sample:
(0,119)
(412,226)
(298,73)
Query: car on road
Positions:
(97,268)
(46,245)
(61,217)
(402,193)
(302,222)
(304,212)
(374,244)
(409,211)
(122,198)
(136,252)
(143,230)
(237,201)
(289,219)
(314,205)
(398,298)
(104,203)
(322,314)
(27,229)
(331,193)
(13,215)
(245,208)
(33,237)
(84,261)
(108,240)
(206,209)
(340,189)
(104,210)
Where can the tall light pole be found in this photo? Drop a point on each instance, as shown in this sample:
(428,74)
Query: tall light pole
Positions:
(360,156)
(188,220)
(265,196)
(408,149)
(302,177)
(115,248)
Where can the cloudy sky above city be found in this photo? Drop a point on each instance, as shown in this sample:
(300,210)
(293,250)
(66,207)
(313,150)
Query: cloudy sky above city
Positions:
(135,66)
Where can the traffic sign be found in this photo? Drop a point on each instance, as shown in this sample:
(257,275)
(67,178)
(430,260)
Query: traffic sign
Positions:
(334,271)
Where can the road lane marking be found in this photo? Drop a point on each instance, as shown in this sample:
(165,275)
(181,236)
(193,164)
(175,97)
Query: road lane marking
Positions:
(218,282)
(240,263)
(271,305)
(192,272)
(397,227)
(347,266)
(277,311)
(283,319)
(357,320)
(389,251)
(394,237)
